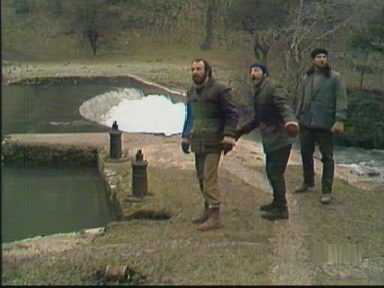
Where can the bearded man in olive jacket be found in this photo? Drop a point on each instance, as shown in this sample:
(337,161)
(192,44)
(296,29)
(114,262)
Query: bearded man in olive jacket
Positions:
(321,111)
(274,115)
(209,129)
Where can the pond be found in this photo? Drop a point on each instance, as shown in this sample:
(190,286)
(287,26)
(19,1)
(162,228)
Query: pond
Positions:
(41,201)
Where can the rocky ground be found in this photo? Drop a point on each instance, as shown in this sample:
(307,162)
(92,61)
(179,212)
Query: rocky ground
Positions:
(337,244)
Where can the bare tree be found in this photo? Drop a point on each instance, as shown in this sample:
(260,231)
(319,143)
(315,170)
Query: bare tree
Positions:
(21,6)
(303,35)
(367,41)
(209,22)
(94,20)
(312,22)
(370,36)
(87,21)
(262,21)
(93,37)
(265,40)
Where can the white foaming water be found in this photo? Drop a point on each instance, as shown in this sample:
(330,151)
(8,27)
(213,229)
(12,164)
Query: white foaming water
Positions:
(152,114)
(135,112)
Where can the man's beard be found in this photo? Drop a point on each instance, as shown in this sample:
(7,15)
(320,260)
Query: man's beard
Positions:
(198,81)
(256,80)
(321,65)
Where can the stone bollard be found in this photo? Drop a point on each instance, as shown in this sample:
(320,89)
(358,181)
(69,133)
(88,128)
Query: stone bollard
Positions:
(115,150)
(115,273)
(139,175)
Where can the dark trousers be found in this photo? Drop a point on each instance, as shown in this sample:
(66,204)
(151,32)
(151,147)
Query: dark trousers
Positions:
(324,139)
(275,165)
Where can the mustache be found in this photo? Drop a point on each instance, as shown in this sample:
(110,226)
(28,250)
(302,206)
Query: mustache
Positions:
(199,78)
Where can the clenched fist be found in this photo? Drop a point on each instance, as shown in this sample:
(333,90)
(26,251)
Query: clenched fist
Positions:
(338,127)
(185,143)
(228,143)
(292,128)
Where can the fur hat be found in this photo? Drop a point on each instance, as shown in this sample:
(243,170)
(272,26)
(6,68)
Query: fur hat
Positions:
(318,51)
(261,66)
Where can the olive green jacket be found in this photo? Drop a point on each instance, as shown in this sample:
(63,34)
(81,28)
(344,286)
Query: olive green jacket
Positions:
(322,106)
(211,115)
(272,110)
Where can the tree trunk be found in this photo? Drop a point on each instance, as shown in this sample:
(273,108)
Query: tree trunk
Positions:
(207,44)
(362,78)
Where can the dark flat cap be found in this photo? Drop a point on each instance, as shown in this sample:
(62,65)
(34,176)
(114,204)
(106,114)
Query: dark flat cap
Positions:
(262,66)
(318,51)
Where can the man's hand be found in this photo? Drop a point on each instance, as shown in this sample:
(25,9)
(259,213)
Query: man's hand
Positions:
(338,127)
(239,133)
(292,128)
(185,144)
(228,144)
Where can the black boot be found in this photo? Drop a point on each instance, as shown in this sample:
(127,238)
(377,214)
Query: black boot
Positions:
(269,206)
(201,184)
(277,213)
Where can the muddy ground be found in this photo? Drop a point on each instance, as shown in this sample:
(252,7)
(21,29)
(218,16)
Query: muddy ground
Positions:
(336,244)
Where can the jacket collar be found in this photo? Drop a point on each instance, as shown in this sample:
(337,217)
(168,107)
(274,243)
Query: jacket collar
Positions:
(261,84)
(206,84)
(326,71)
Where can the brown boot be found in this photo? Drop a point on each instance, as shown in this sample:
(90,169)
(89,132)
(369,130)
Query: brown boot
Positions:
(213,221)
(204,215)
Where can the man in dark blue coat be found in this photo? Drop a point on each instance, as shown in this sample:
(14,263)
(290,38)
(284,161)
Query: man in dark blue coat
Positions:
(274,116)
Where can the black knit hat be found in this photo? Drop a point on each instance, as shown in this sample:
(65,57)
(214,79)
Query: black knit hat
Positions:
(261,66)
(318,51)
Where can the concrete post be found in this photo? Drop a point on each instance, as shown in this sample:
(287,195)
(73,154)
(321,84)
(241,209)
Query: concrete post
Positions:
(115,150)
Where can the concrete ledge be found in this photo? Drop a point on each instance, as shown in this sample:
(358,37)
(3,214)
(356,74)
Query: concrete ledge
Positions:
(72,149)
(76,139)
(128,80)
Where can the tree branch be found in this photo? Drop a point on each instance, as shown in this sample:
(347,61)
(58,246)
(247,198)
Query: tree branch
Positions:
(325,34)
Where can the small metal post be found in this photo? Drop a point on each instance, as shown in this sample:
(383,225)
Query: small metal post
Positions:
(139,175)
(115,150)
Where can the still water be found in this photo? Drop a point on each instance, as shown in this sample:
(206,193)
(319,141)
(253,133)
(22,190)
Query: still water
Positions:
(41,201)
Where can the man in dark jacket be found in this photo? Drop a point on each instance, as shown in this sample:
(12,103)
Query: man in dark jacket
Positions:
(209,129)
(321,111)
(274,116)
